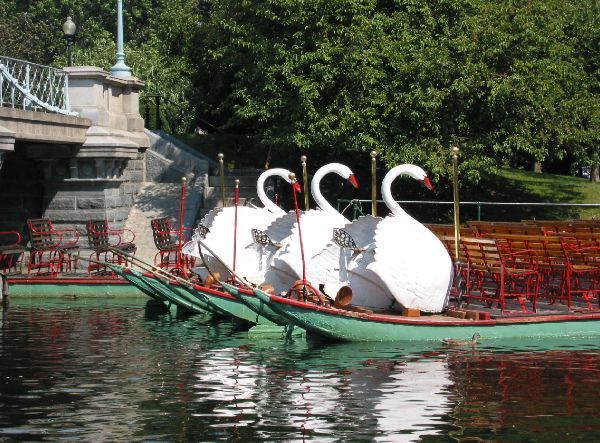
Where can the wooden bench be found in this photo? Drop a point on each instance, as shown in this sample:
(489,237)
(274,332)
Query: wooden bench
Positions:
(493,274)
(11,250)
(102,239)
(567,263)
(582,277)
(51,249)
(487,227)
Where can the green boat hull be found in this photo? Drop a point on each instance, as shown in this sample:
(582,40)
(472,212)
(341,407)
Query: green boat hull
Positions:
(233,307)
(196,297)
(338,325)
(138,281)
(72,288)
(257,305)
(165,291)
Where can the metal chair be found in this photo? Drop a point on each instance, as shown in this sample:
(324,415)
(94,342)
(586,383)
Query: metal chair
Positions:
(11,251)
(50,249)
(102,240)
(166,240)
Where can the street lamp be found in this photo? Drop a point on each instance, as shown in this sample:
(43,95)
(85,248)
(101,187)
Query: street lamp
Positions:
(69,29)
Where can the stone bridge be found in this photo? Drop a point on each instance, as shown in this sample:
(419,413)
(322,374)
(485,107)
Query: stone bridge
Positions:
(69,157)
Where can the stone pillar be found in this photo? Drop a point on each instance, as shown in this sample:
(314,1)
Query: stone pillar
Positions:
(7,143)
(96,179)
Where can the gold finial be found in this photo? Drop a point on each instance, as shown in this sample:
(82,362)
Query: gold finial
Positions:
(292,176)
(220,156)
(303,158)
(455,151)
(373,154)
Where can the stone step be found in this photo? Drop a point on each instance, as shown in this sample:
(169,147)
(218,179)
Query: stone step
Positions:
(152,201)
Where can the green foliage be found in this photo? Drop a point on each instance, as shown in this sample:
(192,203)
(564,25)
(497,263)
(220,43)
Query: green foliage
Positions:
(156,34)
(514,82)
(38,47)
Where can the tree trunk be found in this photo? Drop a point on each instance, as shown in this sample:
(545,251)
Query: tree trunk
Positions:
(595,173)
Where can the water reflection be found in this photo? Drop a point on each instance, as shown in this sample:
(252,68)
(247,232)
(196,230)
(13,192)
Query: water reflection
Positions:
(91,370)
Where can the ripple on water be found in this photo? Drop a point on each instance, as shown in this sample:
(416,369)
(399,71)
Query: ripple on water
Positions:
(108,373)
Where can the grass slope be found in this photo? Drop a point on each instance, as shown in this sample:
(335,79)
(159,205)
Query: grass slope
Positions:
(516,185)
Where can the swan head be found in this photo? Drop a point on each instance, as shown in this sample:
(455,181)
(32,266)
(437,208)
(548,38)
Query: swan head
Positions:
(344,172)
(412,171)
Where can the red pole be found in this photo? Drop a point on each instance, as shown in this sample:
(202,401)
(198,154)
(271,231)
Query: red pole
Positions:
(181,213)
(295,187)
(237,200)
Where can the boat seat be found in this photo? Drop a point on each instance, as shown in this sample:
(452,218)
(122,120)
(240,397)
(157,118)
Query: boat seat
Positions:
(167,241)
(11,251)
(103,240)
(52,250)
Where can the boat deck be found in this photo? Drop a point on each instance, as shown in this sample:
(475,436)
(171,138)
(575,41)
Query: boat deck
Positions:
(481,313)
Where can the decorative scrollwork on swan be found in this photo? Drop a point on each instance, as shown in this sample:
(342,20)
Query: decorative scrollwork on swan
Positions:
(261,238)
(345,240)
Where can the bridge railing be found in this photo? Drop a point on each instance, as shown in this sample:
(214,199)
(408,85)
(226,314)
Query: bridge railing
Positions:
(33,87)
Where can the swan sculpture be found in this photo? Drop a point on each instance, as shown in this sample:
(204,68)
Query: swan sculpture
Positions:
(217,229)
(317,227)
(398,262)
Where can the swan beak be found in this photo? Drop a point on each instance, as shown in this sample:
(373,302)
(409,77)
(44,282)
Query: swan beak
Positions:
(297,187)
(427,183)
(353,181)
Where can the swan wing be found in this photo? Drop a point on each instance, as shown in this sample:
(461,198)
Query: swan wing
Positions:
(220,239)
(317,229)
(330,265)
(411,262)
(281,228)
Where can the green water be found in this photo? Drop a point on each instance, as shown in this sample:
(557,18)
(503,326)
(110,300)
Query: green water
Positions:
(108,370)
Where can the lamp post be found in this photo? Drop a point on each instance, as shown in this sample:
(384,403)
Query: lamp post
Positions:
(69,28)
(120,69)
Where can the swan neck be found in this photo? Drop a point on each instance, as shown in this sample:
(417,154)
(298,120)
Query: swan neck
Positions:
(260,189)
(315,188)
(386,190)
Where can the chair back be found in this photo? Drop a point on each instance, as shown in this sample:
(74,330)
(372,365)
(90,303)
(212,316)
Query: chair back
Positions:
(97,233)
(42,234)
(162,232)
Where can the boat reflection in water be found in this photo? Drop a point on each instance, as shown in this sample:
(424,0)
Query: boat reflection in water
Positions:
(104,372)
(415,400)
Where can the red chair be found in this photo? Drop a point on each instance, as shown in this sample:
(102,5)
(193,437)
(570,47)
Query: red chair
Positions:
(11,251)
(102,240)
(166,240)
(52,251)
(582,268)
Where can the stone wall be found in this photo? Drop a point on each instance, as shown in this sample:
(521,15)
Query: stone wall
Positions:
(71,180)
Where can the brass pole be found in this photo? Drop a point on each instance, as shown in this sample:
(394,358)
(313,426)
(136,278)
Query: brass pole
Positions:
(374,183)
(455,152)
(305,180)
(222,174)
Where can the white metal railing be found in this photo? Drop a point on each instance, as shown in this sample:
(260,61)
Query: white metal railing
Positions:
(33,87)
